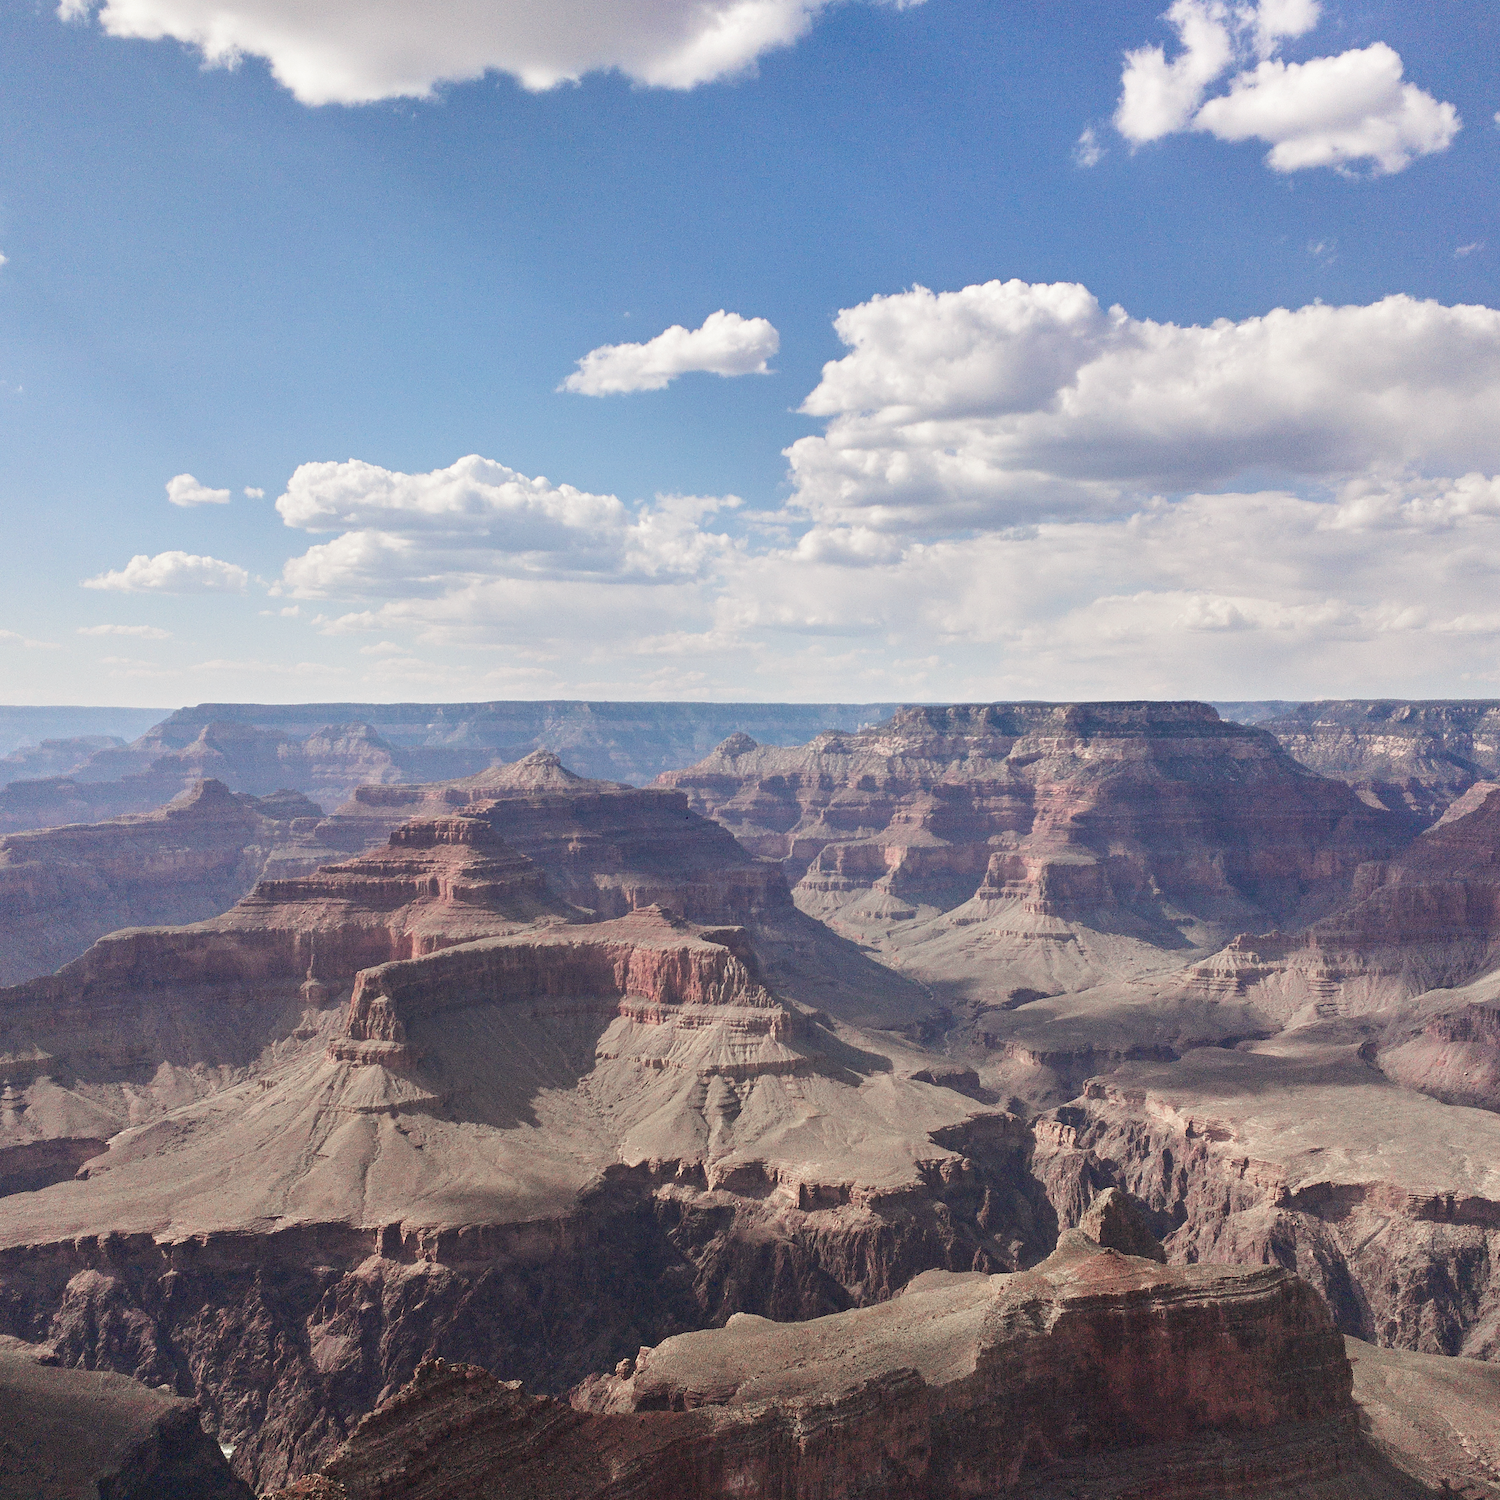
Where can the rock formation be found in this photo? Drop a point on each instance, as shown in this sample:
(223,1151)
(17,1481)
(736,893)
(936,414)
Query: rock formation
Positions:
(326,765)
(1414,758)
(423,1101)
(54,757)
(63,888)
(327,750)
(1005,852)
(1092,1374)
(84,1434)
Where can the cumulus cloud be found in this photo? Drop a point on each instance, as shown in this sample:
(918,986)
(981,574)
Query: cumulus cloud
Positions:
(1015,493)
(172,573)
(354,52)
(185,491)
(1333,111)
(252,493)
(140,632)
(1340,111)
(478,520)
(1009,402)
(726,344)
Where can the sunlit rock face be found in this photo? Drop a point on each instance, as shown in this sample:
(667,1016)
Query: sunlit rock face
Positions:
(1414,758)
(433,1098)
(1095,1373)
(1000,849)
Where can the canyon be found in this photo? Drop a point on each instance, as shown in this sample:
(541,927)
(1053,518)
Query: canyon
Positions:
(525,1071)
(1096,1366)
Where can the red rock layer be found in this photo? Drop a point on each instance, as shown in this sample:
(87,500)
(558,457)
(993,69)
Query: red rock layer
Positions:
(1072,807)
(606,847)
(961,1385)
(645,958)
(63,888)
(1426,919)
(1415,758)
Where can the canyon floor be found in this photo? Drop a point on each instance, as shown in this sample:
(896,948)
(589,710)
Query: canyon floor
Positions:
(529,1073)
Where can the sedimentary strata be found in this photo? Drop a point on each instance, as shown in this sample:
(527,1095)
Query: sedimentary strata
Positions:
(61,889)
(1094,1373)
(419,1102)
(1413,757)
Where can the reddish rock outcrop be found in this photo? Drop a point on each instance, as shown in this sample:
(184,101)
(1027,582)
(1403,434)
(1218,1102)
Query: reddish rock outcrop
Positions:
(61,889)
(1090,1371)
(525,1139)
(1302,1154)
(1077,806)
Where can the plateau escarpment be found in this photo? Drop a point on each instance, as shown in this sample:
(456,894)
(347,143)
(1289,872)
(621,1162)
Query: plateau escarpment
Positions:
(326,765)
(1095,1373)
(421,1102)
(326,750)
(1414,758)
(1005,851)
(63,888)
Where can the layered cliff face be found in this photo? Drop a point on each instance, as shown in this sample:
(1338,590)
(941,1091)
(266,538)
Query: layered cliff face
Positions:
(63,888)
(1012,849)
(72,1433)
(1414,758)
(1093,1374)
(525,1136)
(1299,1152)
(1411,957)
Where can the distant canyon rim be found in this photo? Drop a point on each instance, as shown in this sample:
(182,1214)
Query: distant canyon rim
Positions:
(357,1061)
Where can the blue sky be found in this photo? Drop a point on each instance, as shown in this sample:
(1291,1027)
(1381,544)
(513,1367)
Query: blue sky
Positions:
(207,275)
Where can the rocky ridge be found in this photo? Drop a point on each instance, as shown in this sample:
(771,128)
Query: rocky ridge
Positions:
(1005,852)
(1414,758)
(1093,1373)
(63,888)
(86,1433)
(397,1107)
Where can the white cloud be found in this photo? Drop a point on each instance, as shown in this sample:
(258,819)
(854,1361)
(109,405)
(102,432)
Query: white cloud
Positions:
(1464,251)
(353,52)
(1336,111)
(726,344)
(185,491)
(405,534)
(1333,111)
(1087,151)
(1010,497)
(140,632)
(1004,403)
(251,493)
(27,641)
(1158,97)
(173,573)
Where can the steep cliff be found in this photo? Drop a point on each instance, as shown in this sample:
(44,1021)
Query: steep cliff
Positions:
(525,1137)
(1413,757)
(1093,1374)
(63,888)
(1004,850)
